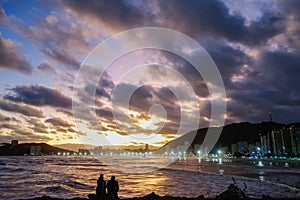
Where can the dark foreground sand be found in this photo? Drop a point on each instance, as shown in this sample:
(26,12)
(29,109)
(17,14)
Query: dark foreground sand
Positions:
(154,196)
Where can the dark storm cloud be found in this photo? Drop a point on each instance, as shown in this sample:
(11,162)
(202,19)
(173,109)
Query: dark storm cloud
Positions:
(39,95)
(18,108)
(212,17)
(290,7)
(58,122)
(273,88)
(228,60)
(269,25)
(282,72)
(11,58)
(196,18)
(113,13)
(283,65)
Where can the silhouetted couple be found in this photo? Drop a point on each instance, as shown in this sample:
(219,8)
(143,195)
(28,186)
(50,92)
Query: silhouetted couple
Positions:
(112,187)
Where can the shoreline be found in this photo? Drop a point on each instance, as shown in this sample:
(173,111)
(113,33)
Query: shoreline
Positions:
(153,196)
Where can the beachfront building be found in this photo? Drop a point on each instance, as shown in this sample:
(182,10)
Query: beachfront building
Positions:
(254,149)
(277,142)
(14,142)
(265,147)
(295,140)
(35,150)
(242,147)
(286,141)
(233,148)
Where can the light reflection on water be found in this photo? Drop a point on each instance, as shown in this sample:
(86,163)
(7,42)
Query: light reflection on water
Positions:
(25,177)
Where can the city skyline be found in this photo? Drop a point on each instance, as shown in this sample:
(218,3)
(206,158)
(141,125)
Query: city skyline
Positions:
(254,44)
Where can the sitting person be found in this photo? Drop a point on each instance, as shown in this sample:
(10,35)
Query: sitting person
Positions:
(101,185)
(113,188)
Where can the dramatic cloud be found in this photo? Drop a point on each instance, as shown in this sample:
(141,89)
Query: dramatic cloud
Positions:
(39,95)
(58,122)
(19,108)
(212,17)
(113,14)
(37,126)
(23,134)
(62,57)
(4,118)
(54,37)
(11,58)
(255,45)
(66,112)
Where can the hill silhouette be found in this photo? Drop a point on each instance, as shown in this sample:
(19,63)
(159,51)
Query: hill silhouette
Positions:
(24,149)
(232,133)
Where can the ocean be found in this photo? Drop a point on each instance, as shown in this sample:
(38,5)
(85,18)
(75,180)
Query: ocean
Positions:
(67,177)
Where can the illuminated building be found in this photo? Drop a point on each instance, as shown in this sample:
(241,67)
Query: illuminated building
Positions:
(278,142)
(264,145)
(295,140)
(242,147)
(233,148)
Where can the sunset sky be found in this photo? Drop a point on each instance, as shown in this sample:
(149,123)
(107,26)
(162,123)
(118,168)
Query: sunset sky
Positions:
(255,45)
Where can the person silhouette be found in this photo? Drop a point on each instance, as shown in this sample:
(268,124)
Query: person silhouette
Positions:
(101,185)
(113,188)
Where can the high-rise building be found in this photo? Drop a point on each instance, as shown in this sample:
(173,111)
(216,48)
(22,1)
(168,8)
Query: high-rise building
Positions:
(32,150)
(234,148)
(287,141)
(269,142)
(35,150)
(38,150)
(295,140)
(278,142)
(297,136)
(253,149)
(146,147)
(242,147)
(14,142)
(264,145)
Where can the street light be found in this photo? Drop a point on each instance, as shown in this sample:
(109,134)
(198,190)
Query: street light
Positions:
(219,152)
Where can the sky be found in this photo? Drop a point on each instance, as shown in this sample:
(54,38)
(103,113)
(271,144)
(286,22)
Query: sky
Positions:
(43,45)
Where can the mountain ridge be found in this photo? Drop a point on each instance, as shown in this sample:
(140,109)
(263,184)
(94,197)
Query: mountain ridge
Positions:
(231,133)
